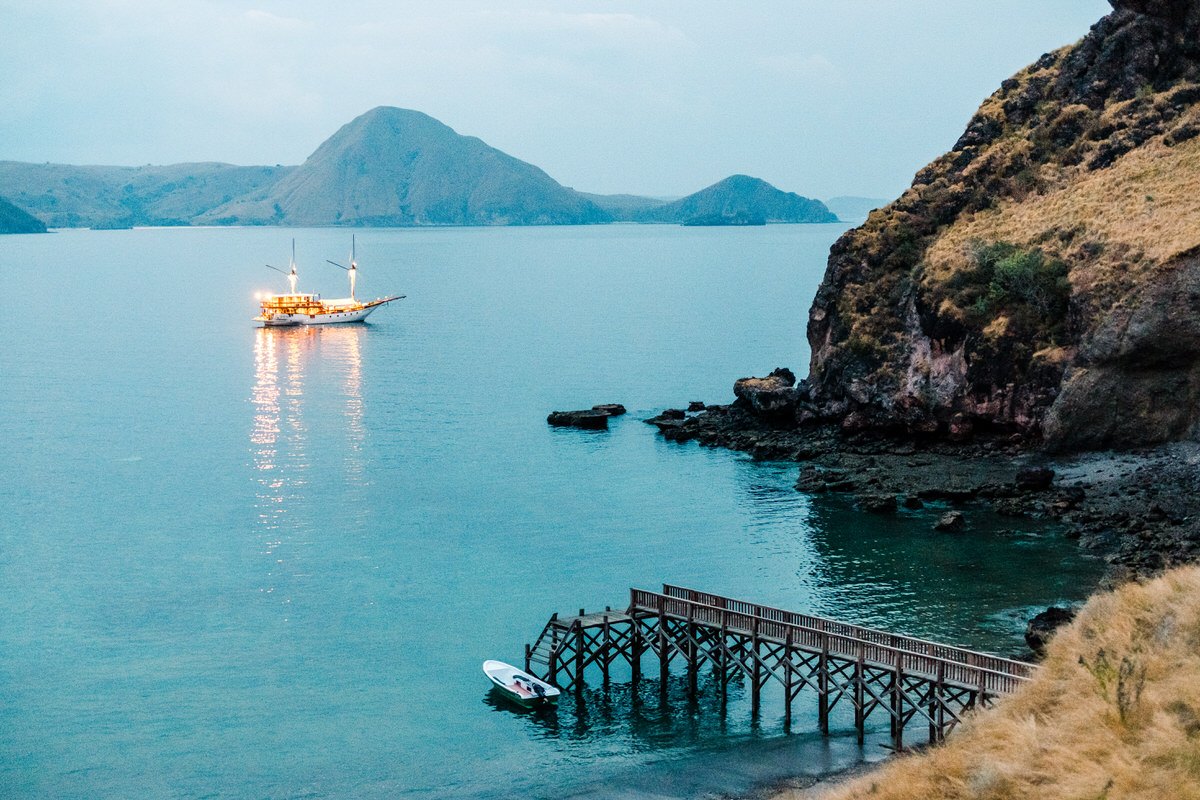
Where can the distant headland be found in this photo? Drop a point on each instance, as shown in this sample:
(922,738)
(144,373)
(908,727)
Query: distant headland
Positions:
(387,167)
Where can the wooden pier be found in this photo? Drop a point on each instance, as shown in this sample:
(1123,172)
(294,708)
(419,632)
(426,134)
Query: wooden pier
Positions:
(871,670)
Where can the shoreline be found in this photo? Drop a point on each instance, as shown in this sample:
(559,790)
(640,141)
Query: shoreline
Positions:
(1138,510)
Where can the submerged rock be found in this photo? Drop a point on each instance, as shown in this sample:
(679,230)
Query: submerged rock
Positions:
(1035,479)
(877,503)
(951,522)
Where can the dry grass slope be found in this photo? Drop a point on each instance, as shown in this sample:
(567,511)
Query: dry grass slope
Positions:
(1114,713)
(1135,216)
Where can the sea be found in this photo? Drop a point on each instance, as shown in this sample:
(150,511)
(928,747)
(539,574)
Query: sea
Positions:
(239,562)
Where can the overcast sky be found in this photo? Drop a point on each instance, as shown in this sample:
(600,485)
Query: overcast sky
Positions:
(657,98)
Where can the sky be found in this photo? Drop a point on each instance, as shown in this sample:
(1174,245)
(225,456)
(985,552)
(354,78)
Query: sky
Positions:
(823,98)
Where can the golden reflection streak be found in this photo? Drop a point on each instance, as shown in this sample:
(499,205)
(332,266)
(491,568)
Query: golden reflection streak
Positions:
(283,357)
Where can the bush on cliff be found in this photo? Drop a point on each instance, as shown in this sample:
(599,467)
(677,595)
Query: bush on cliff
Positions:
(1000,279)
(1114,712)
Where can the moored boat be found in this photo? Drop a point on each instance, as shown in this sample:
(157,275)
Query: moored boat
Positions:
(519,686)
(295,308)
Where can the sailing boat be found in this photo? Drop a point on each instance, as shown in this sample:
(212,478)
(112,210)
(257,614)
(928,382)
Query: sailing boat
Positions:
(296,308)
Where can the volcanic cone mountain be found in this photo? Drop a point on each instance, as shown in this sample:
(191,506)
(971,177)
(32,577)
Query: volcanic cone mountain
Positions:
(393,166)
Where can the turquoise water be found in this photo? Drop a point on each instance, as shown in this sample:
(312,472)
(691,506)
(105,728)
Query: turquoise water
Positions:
(238,562)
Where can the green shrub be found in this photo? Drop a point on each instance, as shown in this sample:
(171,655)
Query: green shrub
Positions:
(1000,279)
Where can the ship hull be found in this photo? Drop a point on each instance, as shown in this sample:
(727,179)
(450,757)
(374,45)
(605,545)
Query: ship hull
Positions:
(332,317)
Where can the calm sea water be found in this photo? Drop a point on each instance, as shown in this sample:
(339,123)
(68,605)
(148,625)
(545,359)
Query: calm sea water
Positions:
(238,562)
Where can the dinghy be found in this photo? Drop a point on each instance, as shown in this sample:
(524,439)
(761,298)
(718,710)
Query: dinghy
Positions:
(519,686)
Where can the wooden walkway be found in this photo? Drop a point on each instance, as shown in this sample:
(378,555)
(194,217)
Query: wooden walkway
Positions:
(870,669)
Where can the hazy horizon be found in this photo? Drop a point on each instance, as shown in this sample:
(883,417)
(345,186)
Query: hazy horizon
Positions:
(657,99)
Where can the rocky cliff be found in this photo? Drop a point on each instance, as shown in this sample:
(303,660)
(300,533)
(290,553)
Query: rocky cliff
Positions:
(1043,277)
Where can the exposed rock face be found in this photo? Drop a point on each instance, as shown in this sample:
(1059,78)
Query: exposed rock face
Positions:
(1039,629)
(772,397)
(1038,278)
(1136,378)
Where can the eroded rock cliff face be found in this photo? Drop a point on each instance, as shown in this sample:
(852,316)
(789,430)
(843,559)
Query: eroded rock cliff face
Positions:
(1043,277)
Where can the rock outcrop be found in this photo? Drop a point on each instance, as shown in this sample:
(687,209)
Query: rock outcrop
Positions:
(772,397)
(1043,277)
(594,418)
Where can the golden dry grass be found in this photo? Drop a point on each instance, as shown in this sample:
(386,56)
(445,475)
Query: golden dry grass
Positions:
(1144,210)
(1114,713)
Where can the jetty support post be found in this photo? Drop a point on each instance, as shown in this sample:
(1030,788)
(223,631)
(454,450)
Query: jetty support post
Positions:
(755,669)
(937,714)
(723,660)
(897,703)
(823,686)
(664,657)
(580,647)
(606,651)
(693,666)
(787,681)
(860,717)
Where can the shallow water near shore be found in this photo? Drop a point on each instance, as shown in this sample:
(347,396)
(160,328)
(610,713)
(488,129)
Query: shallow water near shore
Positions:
(243,562)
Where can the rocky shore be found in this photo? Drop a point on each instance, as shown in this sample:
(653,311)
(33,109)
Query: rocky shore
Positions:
(1139,510)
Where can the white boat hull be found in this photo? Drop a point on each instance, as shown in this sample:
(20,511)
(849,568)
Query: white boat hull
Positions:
(322,316)
(519,686)
(329,318)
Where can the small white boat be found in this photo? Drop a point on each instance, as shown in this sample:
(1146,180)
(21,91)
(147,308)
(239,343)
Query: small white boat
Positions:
(519,686)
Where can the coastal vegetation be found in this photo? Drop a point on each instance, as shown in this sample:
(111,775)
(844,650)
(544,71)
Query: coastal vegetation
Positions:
(1035,279)
(1114,712)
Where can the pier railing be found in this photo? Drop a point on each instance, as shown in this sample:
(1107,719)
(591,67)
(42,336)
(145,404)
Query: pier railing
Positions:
(958,665)
(868,669)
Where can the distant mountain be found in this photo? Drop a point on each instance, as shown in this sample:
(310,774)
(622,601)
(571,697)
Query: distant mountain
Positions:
(738,197)
(66,196)
(15,220)
(387,167)
(393,166)
(624,207)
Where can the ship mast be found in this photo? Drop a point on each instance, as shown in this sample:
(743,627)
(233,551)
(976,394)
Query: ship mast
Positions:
(353,267)
(292,276)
